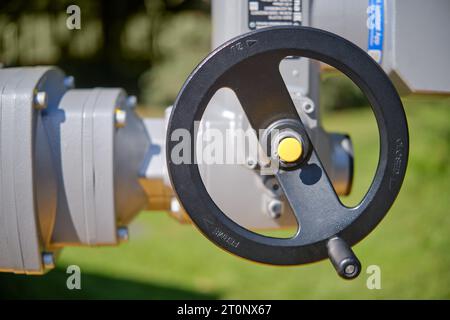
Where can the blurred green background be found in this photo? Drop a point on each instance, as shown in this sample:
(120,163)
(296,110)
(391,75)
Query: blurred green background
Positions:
(149,48)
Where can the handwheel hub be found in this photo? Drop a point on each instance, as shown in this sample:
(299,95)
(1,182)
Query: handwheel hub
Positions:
(290,149)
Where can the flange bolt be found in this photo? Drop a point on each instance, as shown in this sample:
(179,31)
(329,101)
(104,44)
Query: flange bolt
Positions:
(123,234)
(40,100)
(120,118)
(48,260)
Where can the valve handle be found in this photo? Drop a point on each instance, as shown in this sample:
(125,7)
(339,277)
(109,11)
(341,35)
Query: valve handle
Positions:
(248,65)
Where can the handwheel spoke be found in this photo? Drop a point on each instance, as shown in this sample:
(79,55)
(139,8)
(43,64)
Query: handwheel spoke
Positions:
(261,91)
(265,99)
(313,200)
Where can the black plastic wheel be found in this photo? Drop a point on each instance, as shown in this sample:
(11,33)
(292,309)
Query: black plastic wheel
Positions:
(249,66)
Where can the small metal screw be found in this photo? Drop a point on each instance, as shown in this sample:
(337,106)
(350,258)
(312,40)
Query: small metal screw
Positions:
(123,234)
(48,259)
(251,163)
(120,118)
(69,82)
(275,209)
(308,107)
(131,102)
(272,185)
(40,100)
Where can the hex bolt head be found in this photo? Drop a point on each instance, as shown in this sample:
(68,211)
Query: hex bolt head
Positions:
(40,100)
(48,260)
(69,82)
(123,234)
(275,209)
(174,205)
(131,102)
(120,117)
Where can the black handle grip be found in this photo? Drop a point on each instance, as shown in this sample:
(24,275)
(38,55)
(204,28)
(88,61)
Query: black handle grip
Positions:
(343,259)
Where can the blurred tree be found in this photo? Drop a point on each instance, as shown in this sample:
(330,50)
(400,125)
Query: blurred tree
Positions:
(338,92)
(184,41)
(118,40)
(147,47)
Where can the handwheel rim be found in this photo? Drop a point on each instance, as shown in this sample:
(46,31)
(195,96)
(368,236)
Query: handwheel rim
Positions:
(310,43)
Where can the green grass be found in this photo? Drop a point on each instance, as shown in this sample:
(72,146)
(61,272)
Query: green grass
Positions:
(168,260)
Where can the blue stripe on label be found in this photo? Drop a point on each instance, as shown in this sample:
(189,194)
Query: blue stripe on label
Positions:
(375,24)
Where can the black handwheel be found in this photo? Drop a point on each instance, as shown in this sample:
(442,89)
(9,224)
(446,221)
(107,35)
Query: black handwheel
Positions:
(249,65)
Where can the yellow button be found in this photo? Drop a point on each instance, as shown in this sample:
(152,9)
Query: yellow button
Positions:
(290,149)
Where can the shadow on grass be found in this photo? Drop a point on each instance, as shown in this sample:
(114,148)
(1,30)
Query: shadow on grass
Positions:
(53,286)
